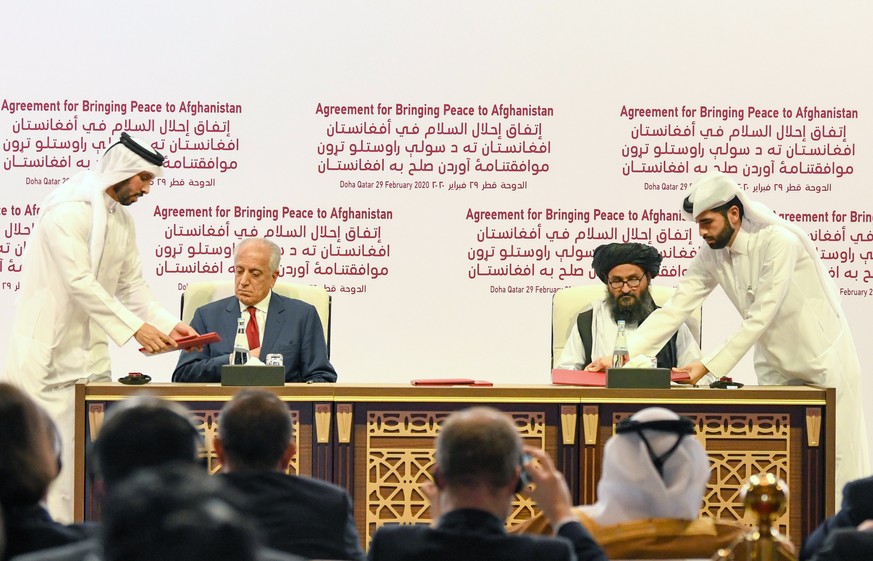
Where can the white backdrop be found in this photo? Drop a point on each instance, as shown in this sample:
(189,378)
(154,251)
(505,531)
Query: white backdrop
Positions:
(397,125)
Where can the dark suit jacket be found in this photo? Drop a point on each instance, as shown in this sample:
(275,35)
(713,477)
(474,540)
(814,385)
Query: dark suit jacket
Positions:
(476,535)
(292,328)
(857,507)
(299,515)
(91,550)
(846,544)
(31,529)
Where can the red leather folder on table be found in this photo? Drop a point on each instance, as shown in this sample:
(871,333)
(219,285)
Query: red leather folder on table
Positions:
(450,382)
(188,342)
(598,379)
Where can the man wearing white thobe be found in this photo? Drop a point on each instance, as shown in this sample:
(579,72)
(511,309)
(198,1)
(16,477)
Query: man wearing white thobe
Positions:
(82,284)
(771,272)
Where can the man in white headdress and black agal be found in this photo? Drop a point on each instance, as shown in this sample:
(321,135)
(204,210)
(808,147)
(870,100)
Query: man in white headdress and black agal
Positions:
(650,492)
(82,284)
(771,272)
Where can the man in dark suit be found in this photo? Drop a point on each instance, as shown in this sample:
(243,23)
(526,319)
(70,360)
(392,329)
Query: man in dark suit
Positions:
(298,515)
(138,435)
(276,324)
(480,461)
(856,511)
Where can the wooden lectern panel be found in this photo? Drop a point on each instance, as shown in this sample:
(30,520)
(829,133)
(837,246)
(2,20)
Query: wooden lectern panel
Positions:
(378,441)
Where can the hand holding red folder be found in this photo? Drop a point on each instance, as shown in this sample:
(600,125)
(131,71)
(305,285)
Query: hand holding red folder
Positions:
(188,343)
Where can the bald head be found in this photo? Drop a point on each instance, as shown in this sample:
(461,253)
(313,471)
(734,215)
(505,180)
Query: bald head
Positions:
(478,446)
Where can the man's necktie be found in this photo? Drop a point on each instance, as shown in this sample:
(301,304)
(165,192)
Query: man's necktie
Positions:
(252,332)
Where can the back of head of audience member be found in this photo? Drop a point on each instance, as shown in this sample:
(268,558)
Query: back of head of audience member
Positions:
(28,461)
(141,432)
(255,433)
(478,457)
(175,512)
(653,467)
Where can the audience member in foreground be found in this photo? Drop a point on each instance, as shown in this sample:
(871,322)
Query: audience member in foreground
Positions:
(650,492)
(298,515)
(175,513)
(480,462)
(141,433)
(29,462)
(847,544)
(855,515)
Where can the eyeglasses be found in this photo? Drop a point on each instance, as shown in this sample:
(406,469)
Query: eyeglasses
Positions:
(617,284)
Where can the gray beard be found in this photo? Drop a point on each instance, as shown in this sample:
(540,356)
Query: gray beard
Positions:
(634,314)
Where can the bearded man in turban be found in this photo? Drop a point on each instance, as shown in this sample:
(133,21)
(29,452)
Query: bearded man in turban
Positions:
(770,270)
(626,269)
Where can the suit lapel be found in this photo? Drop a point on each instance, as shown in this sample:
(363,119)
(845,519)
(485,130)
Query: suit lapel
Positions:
(275,319)
(228,327)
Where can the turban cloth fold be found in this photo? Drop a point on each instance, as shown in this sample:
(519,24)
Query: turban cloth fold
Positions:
(609,256)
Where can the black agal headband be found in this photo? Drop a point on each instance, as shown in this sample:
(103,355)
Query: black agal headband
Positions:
(682,426)
(154,158)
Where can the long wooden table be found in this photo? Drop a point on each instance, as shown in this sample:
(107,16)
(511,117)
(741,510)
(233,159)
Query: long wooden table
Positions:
(377,440)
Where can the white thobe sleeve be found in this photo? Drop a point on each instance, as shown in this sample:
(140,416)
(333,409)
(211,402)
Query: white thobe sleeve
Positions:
(68,246)
(661,324)
(780,252)
(134,293)
(687,349)
(573,355)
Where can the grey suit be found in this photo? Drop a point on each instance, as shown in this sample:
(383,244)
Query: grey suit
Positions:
(292,328)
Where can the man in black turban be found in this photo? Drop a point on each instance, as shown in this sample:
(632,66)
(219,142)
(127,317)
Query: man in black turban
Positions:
(626,269)
(609,256)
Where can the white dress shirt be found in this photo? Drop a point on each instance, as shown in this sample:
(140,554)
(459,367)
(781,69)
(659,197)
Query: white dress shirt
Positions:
(603,332)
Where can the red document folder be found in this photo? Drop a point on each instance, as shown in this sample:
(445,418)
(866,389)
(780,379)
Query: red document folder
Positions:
(450,382)
(188,342)
(598,379)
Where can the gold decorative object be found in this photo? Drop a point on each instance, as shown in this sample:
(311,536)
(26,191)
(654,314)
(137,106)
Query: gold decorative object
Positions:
(766,497)
(590,420)
(96,411)
(813,426)
(568,424)
(322,423)
(344,422)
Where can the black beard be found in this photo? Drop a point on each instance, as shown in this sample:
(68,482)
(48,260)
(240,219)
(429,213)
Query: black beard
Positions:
(721,241)
(634,313)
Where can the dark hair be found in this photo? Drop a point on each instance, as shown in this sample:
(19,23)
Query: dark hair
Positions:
(723,209)
(144,431)
(479,445)
(255,429)
(175,512)
(27,461)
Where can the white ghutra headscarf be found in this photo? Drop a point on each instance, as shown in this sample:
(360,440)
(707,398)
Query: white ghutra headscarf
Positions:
(631,487)
(715,189)
(120,162)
